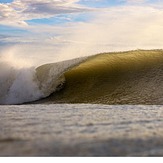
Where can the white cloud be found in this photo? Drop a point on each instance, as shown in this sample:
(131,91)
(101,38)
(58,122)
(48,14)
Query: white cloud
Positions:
(18,11)
(9,15)
(140,2)
(118,28)
(114,29)
(136,1)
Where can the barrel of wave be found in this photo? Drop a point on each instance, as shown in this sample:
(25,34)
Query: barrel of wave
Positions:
(51,76)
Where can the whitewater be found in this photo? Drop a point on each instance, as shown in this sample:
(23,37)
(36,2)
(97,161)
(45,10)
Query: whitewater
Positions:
(23,83)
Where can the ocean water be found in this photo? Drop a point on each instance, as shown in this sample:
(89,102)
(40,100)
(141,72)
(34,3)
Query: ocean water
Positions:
(81,130)
(108,104)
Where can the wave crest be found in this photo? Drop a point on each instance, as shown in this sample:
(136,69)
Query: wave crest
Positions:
(25,84)
(133,77)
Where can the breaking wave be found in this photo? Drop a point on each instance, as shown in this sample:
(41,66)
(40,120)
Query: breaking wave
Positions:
(19,84)
(132,77)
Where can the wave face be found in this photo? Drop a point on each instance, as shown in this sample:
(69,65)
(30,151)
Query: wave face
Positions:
(133,77)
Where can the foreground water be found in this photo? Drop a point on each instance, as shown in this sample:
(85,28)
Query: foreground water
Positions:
(81,130)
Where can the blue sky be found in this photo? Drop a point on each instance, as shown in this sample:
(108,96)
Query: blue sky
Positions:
(6,1)
(102,3)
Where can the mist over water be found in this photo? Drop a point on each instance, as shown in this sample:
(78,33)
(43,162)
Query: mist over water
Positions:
(23,81)
(18,81)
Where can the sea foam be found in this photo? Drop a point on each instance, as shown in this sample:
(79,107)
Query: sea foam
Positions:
(20,82)
(18,85)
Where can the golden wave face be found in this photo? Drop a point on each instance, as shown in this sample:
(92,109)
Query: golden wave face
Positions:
(133,77)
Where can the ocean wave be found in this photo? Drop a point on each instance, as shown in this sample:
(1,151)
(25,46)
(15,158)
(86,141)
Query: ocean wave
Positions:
(132,77)
(25,84)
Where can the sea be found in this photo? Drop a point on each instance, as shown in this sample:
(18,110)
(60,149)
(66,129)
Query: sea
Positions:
(108,104)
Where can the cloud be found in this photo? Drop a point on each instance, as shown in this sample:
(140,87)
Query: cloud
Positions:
(9,15)
(114,29)
(139,2)
(18,11)
(136,1)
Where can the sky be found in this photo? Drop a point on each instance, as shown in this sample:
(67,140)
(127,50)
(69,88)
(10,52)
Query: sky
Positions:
(73,28)
(21,13)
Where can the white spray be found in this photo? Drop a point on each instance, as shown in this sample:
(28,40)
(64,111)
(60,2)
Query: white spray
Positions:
(18,83)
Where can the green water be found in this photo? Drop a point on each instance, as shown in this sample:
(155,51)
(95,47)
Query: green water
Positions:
(133,77)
